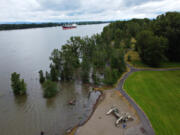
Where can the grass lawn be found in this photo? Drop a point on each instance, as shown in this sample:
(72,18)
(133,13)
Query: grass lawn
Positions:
(158,94)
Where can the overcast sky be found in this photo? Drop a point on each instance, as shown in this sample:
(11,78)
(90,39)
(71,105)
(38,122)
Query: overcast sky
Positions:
(83,10)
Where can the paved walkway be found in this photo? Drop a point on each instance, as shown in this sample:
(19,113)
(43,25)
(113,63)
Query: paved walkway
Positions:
(146,123)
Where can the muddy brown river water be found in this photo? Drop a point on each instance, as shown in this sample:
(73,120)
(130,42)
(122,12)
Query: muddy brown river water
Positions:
(26,52)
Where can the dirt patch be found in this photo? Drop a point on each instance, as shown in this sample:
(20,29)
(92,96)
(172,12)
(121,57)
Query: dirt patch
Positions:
(101,124)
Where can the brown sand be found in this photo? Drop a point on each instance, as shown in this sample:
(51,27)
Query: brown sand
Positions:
(102,124)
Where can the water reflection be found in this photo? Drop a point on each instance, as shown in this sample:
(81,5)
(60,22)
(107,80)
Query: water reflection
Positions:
(20,100)
(50,103)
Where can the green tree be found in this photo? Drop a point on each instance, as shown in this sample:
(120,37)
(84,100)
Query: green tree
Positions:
(18,85)
(54,73)
(41,75)
(151,48)
(99,58)
(118,37)
(85,67)
(110,76)
(168,26)
(50,89)
(56,58)
(95,77)
(48,76)
(117,60)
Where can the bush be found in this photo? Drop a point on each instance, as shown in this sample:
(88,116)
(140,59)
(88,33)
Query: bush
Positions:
(50,89)
(18,85)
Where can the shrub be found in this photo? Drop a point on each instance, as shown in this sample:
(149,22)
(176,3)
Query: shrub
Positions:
(50,88)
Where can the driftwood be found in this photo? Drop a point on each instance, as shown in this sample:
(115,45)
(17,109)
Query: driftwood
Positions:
(121,117)
(72,102)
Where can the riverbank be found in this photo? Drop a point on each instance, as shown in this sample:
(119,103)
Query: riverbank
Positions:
(100,123)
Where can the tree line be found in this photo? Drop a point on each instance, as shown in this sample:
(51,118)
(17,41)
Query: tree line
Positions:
(85,58)
(157,40)
(42,25)
(26,26)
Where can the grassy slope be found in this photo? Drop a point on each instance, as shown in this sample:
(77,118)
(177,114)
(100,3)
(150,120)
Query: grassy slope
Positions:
(136,61)
(158,94)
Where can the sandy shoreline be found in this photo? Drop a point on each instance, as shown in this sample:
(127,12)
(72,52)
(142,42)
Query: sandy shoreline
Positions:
(101,124)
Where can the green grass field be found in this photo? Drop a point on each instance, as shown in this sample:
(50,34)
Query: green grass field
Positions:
(158,94)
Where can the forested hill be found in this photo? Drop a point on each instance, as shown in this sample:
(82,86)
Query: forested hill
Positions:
(26,26)
(13,26)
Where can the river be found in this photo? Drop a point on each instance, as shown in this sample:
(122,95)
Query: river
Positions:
(26,52)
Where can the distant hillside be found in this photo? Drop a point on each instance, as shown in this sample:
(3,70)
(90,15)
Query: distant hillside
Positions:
(26,25)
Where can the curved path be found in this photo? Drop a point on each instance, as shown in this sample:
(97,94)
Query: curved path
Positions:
(145,121)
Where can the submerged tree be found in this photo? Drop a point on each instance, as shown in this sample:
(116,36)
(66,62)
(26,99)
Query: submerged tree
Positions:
(18,85)
(48,76)
(41,77)
(50,88)
(54,73)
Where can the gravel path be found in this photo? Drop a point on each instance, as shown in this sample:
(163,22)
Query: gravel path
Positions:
(146,123)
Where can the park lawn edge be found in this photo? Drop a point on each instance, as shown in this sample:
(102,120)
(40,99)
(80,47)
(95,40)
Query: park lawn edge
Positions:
(126,91)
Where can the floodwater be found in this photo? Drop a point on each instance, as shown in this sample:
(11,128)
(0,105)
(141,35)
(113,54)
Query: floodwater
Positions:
(26,52)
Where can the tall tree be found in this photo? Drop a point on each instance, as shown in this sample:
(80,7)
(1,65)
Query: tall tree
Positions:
(168,26)
(151,48)
(41,76)
(85,67)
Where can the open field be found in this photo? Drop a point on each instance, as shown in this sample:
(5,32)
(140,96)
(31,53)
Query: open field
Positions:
(136,61)
(158,94)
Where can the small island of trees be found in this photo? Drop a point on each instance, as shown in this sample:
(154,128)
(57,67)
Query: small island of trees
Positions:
(18,85)
(49,87)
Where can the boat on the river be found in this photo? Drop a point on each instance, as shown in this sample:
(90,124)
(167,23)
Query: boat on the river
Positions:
(69,26)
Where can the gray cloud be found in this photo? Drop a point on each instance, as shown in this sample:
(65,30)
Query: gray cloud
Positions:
(80,10)
(60,5)
(129,3)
